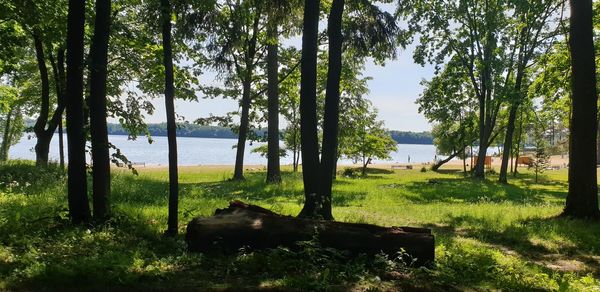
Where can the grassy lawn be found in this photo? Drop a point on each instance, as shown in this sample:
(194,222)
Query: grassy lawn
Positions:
(488,236)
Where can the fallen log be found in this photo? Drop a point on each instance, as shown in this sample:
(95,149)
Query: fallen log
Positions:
(243,225)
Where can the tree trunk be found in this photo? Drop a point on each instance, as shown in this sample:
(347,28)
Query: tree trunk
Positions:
(331,115)
(79,209)
(242,225)
(508,142)
(479,171)
(309,142)
(5,146)
(439,164)
(582,198)
(58,70)
(61,145)
(518,146)
(172,224)
(273,167)
(464,154)
(598,147)
(42,147)
(238,173)
(98,126)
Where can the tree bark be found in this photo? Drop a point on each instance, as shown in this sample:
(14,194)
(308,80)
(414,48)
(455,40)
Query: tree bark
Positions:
(172,222)
(518,146)
(42,147)
(309,142)
(247,225)
(582,198)
(479,171)
(79,209)
(464,153)
(5,145)
(508,142)
(98,115)
(61,145)
(331,115)
(273,165)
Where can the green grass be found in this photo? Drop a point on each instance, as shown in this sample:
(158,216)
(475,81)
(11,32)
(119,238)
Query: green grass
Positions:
(488,236)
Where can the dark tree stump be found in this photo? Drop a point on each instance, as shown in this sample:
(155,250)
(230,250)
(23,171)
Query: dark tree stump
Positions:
(242,225)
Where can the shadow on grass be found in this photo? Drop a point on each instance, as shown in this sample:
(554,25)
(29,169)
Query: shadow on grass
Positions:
(557,243)
(470,190)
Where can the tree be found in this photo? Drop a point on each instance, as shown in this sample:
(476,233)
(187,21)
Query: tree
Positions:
(541,160)
(372,142)
(98,126)
(582,198)
(531,32)
(446,102)
(373,34)
(11,120)
(166,12)
(308,110)
(332,107)
(452,138)
(290,101)
(79,209)
(472,34)
(43,22)
(235,34)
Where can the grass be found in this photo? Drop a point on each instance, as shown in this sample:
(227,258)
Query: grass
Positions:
(488,236)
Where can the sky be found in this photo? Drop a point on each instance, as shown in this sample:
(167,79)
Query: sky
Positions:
(393,91)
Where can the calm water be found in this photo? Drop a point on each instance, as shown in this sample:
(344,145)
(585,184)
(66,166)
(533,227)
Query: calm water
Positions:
(203,151)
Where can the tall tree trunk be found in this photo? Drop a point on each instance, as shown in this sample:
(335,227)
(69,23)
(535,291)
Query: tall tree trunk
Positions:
(518,145)
(238,173)
(464,154)
(582,198)
(273,167)
(5,145)
(61,145)
(58,70)
(508,142)
(309,142)
(172,224)
(331,115)
(42,147)
(98,127)
(79,209)
(479,171)
(598,148)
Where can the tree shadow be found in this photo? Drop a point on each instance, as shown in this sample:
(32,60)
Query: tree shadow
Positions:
(471,190)
(557,243)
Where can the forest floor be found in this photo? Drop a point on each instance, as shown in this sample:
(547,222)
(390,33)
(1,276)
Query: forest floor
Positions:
(488,236)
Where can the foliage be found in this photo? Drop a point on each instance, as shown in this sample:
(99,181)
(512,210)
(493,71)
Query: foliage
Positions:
(488,236)
(263,149)
(369,140)
(11,120)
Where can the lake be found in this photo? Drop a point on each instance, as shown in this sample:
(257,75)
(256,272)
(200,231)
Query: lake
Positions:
(204,151)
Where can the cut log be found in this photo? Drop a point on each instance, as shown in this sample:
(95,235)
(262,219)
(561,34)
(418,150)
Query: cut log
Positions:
(243,225)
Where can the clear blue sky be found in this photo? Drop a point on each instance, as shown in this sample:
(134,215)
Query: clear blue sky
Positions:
(394,89)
